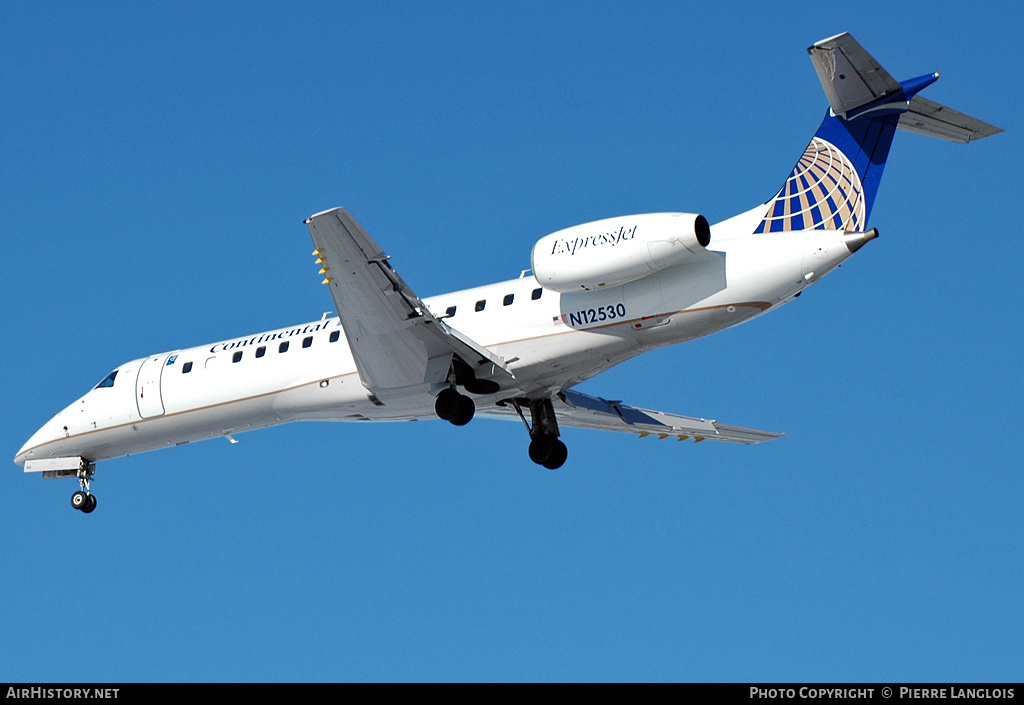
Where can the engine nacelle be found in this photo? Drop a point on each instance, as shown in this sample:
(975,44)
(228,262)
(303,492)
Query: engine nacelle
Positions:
(617,250)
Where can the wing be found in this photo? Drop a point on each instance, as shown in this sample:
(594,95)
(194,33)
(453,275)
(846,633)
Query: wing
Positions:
(395,340)
(579,410)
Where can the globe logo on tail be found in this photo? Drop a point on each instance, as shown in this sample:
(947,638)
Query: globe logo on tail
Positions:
(824,192)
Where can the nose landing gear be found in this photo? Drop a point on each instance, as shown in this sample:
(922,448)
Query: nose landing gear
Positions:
(84,500)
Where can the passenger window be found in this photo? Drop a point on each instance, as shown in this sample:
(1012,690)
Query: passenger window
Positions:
(536,293)
(335,335)
(186,368)
(261,351)
(508,300)
(283,347)
(450,311)
(237,356)
(480,305)
(108,381)
(307,341)
(211,362)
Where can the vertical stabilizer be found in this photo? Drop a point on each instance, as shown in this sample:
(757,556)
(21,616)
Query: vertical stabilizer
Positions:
(834,183)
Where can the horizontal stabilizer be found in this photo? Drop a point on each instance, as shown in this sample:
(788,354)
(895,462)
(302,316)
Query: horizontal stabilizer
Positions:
(927,117)
(849,74)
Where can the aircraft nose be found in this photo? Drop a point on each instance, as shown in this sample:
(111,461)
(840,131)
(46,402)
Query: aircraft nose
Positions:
(33,445)
(22,455)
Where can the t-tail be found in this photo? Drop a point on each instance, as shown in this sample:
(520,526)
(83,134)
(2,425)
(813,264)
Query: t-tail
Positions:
(833,185)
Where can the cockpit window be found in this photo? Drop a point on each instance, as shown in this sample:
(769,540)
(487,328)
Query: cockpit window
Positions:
(108,381)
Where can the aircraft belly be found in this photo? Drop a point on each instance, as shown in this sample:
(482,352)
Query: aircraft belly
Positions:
(683,326)
(556,361)
(331,398)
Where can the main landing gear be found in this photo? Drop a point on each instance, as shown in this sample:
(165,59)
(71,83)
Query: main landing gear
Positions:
(457,408)
(453,407)
(545,448)
(548,451)
(84,500)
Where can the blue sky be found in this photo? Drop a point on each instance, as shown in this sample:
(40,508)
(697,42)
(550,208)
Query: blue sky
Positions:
(155,168)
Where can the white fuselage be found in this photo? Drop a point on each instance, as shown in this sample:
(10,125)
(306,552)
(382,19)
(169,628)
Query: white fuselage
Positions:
(550,341)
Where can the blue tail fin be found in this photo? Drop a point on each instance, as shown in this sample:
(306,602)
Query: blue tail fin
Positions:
(833,185)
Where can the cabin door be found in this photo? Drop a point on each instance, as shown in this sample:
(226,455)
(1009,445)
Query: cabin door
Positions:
(147,387)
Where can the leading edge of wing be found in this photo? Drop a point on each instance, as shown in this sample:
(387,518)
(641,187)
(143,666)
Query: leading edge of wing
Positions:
(580,410)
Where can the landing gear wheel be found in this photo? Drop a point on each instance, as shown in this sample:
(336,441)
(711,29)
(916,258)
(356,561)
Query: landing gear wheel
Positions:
(541,448)
(557,457)
(448,404)
(454,407)
(545,448)
(83,500)
(466,410)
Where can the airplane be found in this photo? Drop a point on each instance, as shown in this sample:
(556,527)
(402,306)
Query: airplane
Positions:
(597,295)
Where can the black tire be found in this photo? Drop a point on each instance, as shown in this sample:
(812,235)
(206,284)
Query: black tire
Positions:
(80,500)
(558,456)
(541,448)
(91,506)
(448,404)
(466,410)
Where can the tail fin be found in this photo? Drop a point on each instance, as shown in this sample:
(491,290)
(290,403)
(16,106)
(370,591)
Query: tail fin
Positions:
(833,185)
